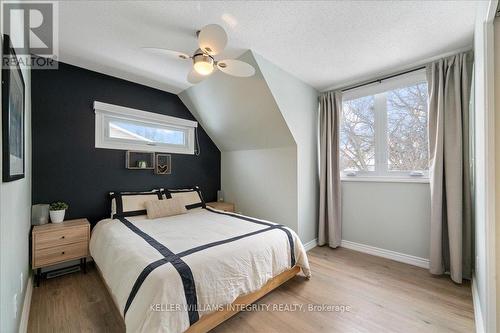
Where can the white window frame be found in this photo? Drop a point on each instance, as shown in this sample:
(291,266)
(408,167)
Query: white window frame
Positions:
(105,112)
(378,90)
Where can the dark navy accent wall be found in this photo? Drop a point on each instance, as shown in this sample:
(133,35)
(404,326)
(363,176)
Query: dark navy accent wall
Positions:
(66,164)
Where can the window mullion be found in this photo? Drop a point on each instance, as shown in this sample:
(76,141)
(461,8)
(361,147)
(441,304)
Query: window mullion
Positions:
(380,134)
(383,134)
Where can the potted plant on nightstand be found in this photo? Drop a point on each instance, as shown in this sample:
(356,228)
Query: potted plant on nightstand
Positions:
(57,211)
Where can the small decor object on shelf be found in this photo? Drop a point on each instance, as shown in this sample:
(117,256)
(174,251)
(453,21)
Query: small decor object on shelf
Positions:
(139,160)
(57,211)
(163,164)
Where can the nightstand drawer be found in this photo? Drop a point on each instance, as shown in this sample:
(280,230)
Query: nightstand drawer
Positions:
(53,255)
(60,237)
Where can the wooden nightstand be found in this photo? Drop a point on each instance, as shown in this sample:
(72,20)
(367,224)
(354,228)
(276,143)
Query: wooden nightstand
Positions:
(220,205)
(55,243)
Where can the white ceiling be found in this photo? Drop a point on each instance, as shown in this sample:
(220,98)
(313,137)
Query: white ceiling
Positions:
(324,43)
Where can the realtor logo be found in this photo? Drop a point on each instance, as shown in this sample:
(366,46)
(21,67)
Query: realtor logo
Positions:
(32,28)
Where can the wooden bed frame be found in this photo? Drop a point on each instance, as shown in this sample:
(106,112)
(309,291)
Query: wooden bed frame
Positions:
(210,321)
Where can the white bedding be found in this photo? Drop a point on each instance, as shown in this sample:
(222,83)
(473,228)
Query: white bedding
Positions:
(221,273)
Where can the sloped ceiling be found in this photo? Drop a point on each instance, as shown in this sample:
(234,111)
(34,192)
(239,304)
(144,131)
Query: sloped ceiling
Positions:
(238,113)
(297,101)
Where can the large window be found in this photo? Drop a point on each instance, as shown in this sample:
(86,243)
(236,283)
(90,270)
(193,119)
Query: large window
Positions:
(384,129)
(129,129)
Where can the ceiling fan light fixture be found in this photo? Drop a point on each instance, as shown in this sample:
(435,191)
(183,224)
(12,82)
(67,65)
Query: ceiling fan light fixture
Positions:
(203,64)
(212,40)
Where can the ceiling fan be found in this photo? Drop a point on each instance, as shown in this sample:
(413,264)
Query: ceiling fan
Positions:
(211,40)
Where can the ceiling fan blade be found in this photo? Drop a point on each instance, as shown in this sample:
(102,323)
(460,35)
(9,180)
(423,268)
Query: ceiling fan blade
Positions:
(194,78)
(166,52)
(236,68)
(212,39)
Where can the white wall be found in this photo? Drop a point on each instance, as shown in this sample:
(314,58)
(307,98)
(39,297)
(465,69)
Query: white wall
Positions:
(298,103)
(265,127)
(390,216)
(484,269)
(258,152)
(497,156)
(15,211)
(480,254)
(262,183)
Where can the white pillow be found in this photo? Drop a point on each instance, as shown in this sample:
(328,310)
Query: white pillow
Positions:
(191,197)
(125,204)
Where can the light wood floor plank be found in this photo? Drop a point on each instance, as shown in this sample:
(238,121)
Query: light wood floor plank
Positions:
(384,296)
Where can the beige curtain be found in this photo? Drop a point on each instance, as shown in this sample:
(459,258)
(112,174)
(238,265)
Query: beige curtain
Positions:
(449,82)
(329,231)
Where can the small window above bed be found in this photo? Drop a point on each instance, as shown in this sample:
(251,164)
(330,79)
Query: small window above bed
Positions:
(118,127)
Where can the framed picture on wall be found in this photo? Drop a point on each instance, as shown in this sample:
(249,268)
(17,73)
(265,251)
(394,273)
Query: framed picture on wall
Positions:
(12,114)
(163,164)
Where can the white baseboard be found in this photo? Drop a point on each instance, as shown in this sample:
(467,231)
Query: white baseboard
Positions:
(25,315)
(311,244)
(478,315)
(401,257)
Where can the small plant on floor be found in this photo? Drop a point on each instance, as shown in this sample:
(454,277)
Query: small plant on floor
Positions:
(57,211)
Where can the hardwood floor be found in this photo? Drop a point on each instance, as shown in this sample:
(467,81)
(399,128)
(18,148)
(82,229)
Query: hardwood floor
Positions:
(73,303)
(384,296)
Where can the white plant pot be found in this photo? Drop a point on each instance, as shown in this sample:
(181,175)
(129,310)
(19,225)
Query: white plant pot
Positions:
(57,216)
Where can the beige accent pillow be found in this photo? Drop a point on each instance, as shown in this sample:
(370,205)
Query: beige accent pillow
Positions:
(165,207)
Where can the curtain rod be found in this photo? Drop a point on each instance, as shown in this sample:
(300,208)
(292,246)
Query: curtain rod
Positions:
(397,71)
(379,80)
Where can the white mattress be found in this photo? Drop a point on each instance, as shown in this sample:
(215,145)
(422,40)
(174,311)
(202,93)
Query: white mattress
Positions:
(220,273)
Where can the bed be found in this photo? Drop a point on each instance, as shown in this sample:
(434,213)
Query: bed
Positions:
(182,273)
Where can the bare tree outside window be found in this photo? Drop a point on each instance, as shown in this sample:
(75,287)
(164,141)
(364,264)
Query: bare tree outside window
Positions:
(407,128)
(385,134)
(357,135)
